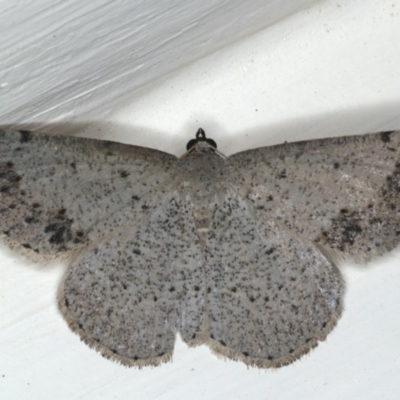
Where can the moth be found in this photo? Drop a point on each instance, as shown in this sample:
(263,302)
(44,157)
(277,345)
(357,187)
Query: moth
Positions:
(238,253)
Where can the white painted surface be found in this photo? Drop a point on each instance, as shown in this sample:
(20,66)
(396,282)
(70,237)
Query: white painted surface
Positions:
(329,70)
(62,60)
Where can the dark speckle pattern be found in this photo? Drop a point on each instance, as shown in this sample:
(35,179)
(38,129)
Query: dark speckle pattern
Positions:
(25,137)
(271,291)
(236,253)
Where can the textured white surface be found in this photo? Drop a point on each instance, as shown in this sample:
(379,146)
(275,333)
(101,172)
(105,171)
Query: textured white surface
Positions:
(66,59)
(330,70)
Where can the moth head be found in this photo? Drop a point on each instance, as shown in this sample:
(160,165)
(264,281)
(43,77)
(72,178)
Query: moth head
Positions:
(200,138)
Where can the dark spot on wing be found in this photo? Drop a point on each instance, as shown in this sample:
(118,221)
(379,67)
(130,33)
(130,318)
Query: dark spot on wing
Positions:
(26,136)
(385,136)
(282,174)
(9,178)
(30,220)
(344,230)
(357,229)
(59,231)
